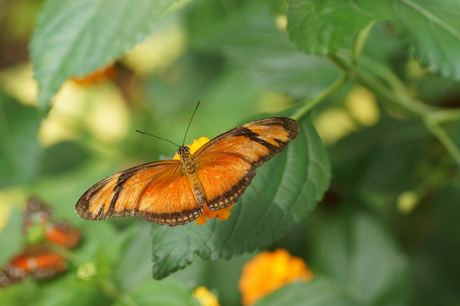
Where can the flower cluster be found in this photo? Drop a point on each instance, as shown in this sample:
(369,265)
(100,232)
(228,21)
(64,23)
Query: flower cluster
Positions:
(95,76)
(205,297)
(269,271)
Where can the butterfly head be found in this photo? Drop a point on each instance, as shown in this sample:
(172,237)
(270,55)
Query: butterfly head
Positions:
(183,151)
(186,159)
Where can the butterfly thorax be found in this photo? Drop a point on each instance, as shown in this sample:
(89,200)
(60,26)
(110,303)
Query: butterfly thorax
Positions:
(187,161)
(189,169)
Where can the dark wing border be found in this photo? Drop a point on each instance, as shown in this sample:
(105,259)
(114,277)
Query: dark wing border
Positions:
(232,196)
(83,204)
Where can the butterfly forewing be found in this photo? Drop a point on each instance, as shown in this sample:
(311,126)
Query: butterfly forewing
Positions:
(157,192)
(228,163)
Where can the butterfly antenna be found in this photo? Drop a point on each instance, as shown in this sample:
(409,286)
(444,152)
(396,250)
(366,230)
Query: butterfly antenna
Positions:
(198,104)
(158,138)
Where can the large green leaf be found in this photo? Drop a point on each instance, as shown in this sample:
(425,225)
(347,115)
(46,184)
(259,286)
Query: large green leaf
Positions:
(435,27)
(62,157)
(259,47)
(321,27)
(73,38)
(318,292)
(11,238)
(68,290)
(103,246)
(19,148)
(284,190)
(432,26)
(359,254)
(164,293)
(135,265)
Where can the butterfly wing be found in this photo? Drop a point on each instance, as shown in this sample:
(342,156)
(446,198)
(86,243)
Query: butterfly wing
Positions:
(157,192)
(59,232)
(227,164)
(35,260)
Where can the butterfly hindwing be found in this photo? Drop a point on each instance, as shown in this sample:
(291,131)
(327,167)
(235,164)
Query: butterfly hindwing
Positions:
(34,260)
(227,164)
(157,192)
(59,232)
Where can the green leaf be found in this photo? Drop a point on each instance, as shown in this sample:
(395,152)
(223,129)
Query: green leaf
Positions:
(19,294)
(73,38)
(19,148)
(103,246)
(164,293)
(260,48)
(322,26)
(318,292)
(434,264)
(284,190)
(432,26)
(62,157)
(11,238)
(135,265)
(360,255)
(68,290)
(435,29)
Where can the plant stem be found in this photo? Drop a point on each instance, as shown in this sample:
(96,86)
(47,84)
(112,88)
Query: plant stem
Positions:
(111,291)
(63,251)
(442,116)
(430,116)
(444,138)
(358,43)
(310,103)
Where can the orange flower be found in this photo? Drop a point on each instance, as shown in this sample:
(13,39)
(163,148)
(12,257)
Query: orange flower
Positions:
(269,271)
(222,214)
(95,76)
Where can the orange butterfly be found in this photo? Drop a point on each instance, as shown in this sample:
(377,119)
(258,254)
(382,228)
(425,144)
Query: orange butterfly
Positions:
(38,260)
(173,192)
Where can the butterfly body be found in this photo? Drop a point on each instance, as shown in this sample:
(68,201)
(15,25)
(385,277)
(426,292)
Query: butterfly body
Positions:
(188,167)
(173,192)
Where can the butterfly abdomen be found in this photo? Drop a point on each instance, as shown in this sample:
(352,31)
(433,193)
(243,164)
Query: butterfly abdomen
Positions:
(189,169)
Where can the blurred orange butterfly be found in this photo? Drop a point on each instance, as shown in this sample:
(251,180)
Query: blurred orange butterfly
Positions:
(173,192)
(37,259)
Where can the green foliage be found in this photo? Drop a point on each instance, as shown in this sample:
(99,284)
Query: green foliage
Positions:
(319,292)
(322,27)
(75,38)
(19,148)
(10,238)
(260,49)
(366,262)
(373,212)
(162,293)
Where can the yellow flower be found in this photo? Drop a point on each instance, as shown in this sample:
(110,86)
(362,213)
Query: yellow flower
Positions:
(205,297)
(222,214)
(269,271)
(194,146)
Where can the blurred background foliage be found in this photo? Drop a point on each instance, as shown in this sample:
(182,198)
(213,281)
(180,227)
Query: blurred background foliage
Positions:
(386,233)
